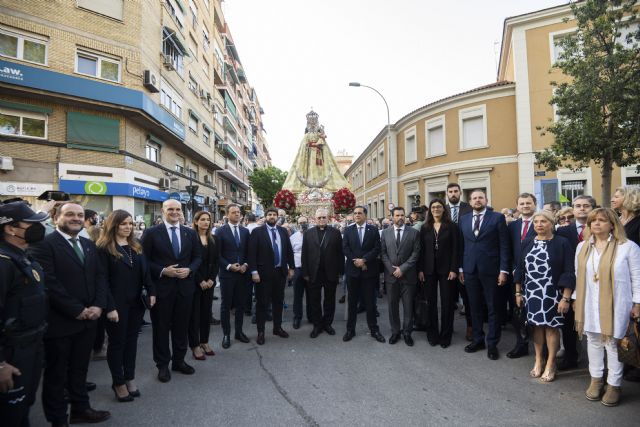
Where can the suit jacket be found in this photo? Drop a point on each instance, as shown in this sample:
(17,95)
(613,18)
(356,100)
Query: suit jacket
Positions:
(448,258)
(404,256)
(560,261)
(156,245)
(208,270)
(490,252)
(125,282)
(570,232)
(464,209)
(229,251)
(369,250)
(331,249)
(261,256)
(71,285)
(515,236)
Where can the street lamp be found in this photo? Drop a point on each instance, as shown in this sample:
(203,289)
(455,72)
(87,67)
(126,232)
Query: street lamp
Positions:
(192,190)
(356,84)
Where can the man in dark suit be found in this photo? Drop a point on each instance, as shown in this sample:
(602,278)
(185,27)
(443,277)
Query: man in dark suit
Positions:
(271,264)
(485,267)
(459,208)
(574,232)
(399,250)
(361,247)
(322,265)
(77,290)
(233,241)
(519,231)
(173,253)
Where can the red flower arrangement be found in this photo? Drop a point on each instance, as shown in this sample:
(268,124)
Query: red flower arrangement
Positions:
(343,201)
(286,200)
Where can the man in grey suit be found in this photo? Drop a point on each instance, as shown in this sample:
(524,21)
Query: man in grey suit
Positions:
(400,249)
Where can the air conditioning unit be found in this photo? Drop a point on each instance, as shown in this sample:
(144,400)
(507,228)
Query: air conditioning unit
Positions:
(167,62)
(151,81)
(164,183)
(6,163)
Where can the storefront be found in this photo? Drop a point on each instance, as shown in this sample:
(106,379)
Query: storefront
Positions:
(28,191)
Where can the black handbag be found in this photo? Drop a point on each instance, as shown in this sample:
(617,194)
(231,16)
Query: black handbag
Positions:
(145,298)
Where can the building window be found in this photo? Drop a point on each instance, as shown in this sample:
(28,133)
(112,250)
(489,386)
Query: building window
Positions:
(374,166)
(194,13)
(194,171)
(152,151)
(435,137)
(206,136)
(98,66)
(193,123)
(170,99)
(368,169)
(628,41)
(381,164)
(173,54)
(193,47)
(19,46)
(176,13)
(22,123)
(192,84)
(111,8)
(205,66)
(180,163)
(410,148)
(572,189)
(473,128)
(206,42)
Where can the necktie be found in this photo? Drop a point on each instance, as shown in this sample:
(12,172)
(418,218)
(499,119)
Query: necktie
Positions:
(476,224)
(174,242)
(360,234)
(525,230)
(398,237)
(276,252)
(76,248)
(236,236)
(581,234)
(454,214)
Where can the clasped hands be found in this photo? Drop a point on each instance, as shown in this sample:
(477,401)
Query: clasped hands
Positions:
(90,313)
(177,272)
(238,268)
(206,284)
(255,277)
(360,263)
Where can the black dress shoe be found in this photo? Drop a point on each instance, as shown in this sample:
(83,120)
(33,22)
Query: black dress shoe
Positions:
(518,351)
(394,338)
(90,386)
(342,299)
(315,332)
(226,341)
(183,368)
(281,333)
(361,310)
(445,344)
(377,313)
(59,424)
(296,323)
(260,339)
(377,336)
(348,336)
(328,329)
(565,365)
(127,398)
(215,298)
(433,341)
(89,415)
(408,340)
(214,321)
(240,336)
(474,346)
(135,393)
(247,313)
(163,374)
(492,353)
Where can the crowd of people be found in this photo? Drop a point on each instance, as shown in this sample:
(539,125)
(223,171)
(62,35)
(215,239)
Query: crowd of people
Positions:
(556,274)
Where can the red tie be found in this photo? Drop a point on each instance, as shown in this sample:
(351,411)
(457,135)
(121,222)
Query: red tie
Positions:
(525,229)
(581,235)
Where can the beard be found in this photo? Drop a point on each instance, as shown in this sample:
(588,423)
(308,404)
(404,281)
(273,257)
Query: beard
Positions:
(271,222)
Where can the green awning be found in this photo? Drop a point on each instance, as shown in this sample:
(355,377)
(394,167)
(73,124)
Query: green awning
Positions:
(204,125)
(241,76)
(228,102)
(91,132)
(181,6)
(230,150)
(25,107)
(181,44)
(194,114)
(153,138)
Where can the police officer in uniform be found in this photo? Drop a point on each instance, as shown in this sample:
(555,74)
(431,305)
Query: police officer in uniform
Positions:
(23,311)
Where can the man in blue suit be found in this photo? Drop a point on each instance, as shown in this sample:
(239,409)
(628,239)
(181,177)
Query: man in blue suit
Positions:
(233,241)
(519,230)
(173,253)
(485,267)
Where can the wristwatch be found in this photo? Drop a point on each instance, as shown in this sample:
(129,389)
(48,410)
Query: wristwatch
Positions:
(566,299)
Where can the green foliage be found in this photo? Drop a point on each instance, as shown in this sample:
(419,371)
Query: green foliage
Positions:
(266,182)
(599,105)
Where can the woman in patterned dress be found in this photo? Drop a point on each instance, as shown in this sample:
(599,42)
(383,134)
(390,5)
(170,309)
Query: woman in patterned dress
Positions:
(544,282)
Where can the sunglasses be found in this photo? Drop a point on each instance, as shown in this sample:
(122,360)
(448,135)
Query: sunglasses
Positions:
(565,218)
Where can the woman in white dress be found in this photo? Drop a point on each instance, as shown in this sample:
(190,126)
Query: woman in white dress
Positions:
(607,294)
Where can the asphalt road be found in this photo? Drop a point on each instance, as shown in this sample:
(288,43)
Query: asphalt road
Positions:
(301,381)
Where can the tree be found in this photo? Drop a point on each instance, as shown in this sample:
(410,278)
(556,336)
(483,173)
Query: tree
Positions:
(598,107)
(266,182)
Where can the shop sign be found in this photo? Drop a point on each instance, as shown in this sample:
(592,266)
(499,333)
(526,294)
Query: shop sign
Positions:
(99,188)
(23,188)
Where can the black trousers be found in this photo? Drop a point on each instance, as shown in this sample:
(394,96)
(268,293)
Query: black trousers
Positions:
(322,312)
(465,300)
(367,287)
(199,325)
(123,342)
(15,404)
(98,342)
(67,362)
(170,317)
(570,336)
(270,291)
(447,288)
(233,292)
(299,285)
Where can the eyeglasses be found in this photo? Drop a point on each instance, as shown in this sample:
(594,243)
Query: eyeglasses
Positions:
(565,218)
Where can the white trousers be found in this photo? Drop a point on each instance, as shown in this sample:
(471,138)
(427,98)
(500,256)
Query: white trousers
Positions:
(596,349)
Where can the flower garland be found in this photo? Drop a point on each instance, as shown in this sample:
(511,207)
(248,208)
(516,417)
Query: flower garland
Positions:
(343,201)
(286,200)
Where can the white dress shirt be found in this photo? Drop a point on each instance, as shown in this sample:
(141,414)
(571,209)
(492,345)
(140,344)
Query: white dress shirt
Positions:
(67,237)
(296,243)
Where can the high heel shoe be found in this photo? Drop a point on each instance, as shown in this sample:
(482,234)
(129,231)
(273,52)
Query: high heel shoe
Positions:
(208,352)
(127,398)
(201,357)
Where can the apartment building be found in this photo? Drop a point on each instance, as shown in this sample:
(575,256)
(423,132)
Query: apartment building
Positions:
(122,104)
(486,137)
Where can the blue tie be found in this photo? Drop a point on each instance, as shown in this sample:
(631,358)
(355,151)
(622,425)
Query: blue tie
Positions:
(174,243)
(276,252)
(236,235)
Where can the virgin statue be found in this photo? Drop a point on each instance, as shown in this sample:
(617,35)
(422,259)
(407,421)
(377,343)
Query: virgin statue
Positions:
(314,165)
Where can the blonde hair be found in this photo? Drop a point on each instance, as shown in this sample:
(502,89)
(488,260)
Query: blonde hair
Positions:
(548,216)
(631,201)
(563,212)
(610,215)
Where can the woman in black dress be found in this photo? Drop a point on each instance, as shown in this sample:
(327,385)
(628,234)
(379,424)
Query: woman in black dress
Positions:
(127,274)
(205,278)
(438,267)
(626,201)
